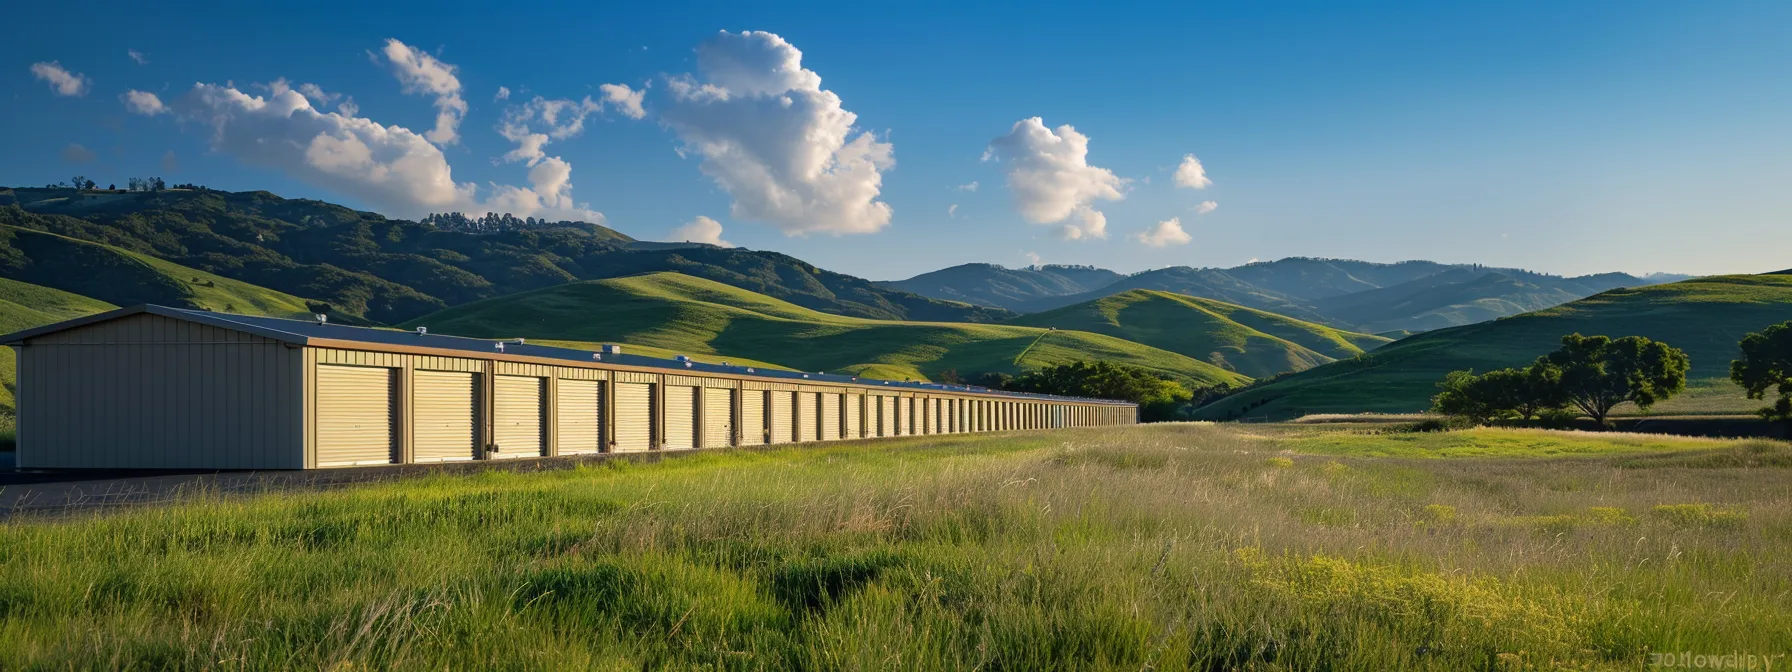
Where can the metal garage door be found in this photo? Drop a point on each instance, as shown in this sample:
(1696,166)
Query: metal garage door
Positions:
(830,416)
(752,417)
(886,416)
(783,417)
(634,417)
(446,425)
(354,416)
(718,417)
(579,417)
(855,417)
(681,417)
(806,421)
(517,407)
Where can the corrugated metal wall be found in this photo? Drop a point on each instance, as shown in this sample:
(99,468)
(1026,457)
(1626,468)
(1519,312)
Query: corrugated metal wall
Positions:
(681,417)
(830,416)
(806,420)
(718,417)
(579,417)
(782,415)
(752,418)
(150,392)
(633,426)
(355,416)
(447,416)
(518,424)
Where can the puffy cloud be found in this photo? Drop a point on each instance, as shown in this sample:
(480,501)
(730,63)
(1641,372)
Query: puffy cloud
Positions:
(421,73)
(701,230)
(1190,174)
(625,99)
(1051,179)
(63,82)
(502,94)
(391,168)
(1166,233)
(972,186)
(533,124)
(783,147)
(137,56)
(1205,207)
(952,210)
(143,102)
(78,154)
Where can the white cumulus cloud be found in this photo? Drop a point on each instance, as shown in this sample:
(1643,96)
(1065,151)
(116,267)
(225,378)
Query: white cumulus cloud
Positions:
(783,147)
(420,73)
(1051,179)
(502,94)
(1190,174)
(952,210)
(391,168)
(137,56)
(625,99)
(700,230)
(534,124)
(1205,207)
(143,102)
(1166,233)
(971,186)
(63,82)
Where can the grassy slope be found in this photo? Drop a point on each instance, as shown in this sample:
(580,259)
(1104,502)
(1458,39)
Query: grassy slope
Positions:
(1705,317)
(1252,342)
(1163,547)
(23,306)
(123,278)
(695,316)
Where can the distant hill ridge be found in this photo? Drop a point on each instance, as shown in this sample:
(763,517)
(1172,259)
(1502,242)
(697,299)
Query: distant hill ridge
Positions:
(392,270)
(1356,295)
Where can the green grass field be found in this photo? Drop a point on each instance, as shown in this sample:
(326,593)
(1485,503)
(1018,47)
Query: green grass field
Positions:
(1155,547)
(1249,341)
(1705,317)
(692,316)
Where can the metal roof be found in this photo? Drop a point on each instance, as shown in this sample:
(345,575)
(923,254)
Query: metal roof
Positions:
(304,332)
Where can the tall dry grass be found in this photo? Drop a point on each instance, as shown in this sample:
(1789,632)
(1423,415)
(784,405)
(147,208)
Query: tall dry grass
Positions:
(1161,547)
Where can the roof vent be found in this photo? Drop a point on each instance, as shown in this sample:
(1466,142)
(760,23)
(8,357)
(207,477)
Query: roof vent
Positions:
(610,349)
(683,358)
(321,318)
(422,330)
(518,341)
(500,346)
(597,356)
(749,369)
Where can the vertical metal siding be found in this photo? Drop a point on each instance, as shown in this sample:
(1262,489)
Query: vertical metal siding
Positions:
(148,392)
(806,420)
(752,418)
(718,417)
(579,416)
(634,417)
(855,418)
(446,412)
(681,417)
(886,416)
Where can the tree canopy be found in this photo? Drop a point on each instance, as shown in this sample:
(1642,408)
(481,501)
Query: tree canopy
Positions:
(1598,373)
(1766,365)
(1158,398)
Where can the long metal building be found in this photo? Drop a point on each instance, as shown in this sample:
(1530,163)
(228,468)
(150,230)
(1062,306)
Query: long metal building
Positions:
(151,387)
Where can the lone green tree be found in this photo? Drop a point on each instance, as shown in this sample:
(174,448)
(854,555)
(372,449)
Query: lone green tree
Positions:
(1598,373)
(1766,365)
(1524,393)
(1158,398)
(1462,395)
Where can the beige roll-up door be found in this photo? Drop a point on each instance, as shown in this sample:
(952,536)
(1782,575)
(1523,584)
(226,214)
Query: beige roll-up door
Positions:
(354,416)
(854,418)
(579,416)
(752,417)
(681,417)
(718,417)
(886,416)
(446,424)
(830,416)
(634,417)
(806,421)
(517,421)
(783,417)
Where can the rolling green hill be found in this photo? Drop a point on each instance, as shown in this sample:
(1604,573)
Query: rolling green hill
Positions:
(23,306)
(119,277)
(697,316)
(390,270)
(1010,288)
(1252,342)
(1704,316)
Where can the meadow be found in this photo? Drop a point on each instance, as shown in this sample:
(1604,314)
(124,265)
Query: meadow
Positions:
(1159,547)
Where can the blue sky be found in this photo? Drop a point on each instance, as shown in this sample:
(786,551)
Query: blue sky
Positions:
(1562,137)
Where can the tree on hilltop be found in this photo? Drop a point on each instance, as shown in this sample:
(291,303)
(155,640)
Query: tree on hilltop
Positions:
(1598,373)
(1766,364)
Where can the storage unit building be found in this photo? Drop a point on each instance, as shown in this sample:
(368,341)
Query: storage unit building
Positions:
(151,387)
